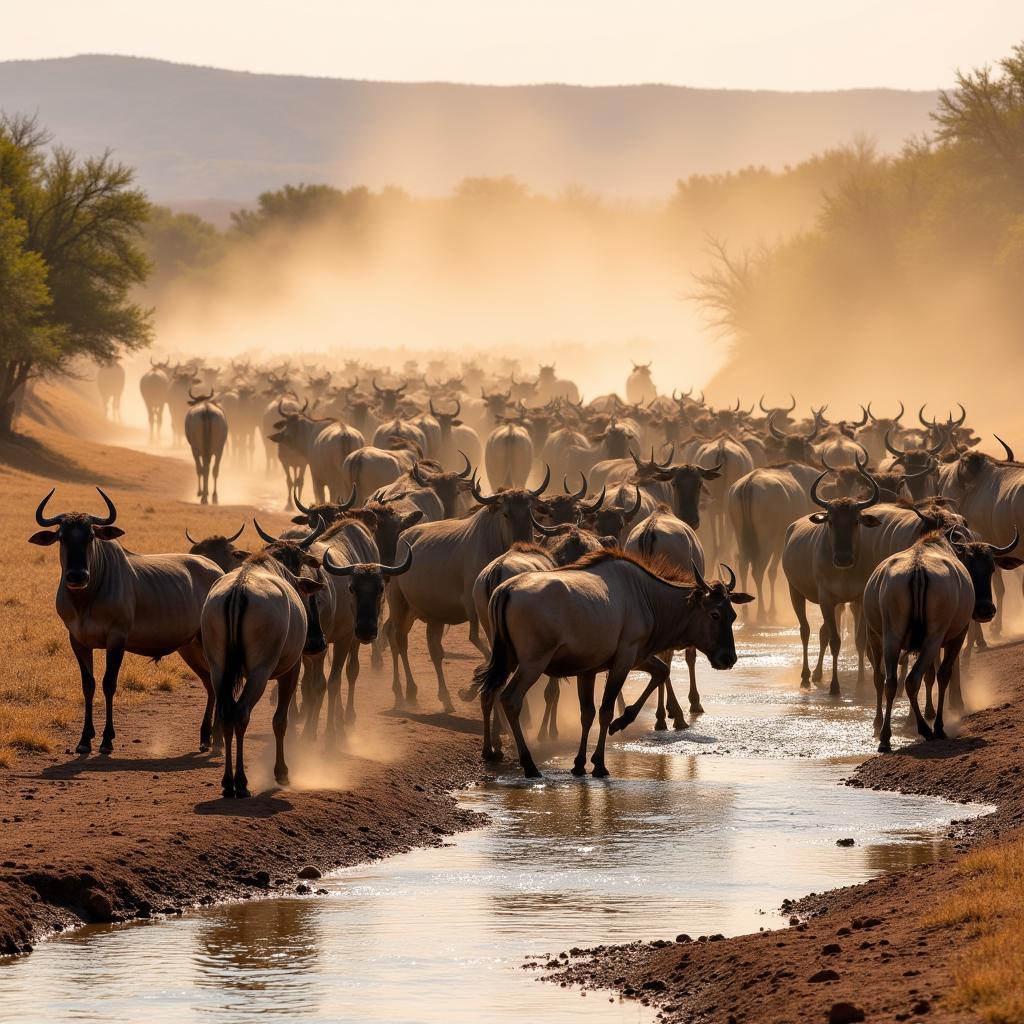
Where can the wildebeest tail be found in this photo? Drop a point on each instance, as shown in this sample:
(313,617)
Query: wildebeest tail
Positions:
(648,541)
(748,535)
(917,625)
(231,682)
(492,676)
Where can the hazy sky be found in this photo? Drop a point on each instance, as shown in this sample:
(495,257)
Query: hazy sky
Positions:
(784,44)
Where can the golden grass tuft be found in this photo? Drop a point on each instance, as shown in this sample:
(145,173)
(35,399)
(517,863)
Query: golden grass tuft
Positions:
(990,902)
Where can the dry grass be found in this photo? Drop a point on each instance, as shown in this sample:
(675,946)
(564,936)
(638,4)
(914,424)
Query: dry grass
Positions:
(40,687)
(990,902)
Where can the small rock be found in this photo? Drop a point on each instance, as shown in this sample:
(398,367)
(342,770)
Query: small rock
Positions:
(845,842)
(831,949)
(310,872)
(794,920)
(302,889)
(679,938)
(98,904)
(655,985)
(262,879)
(845,1013)
(921,1007)
(826,975)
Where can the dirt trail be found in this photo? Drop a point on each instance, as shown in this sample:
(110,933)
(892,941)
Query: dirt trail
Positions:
(873,946)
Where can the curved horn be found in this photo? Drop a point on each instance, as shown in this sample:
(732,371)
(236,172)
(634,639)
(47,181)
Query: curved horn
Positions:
(943,439)
(192,397)
(235,535)
(814,491)
(582,492)
(465,474)
(731,585)
(397,570)
(305,406)
(346,505)
(920,473)
(307,541)
(484,499)
(264,536)
(698,578)
(1007,448)
(111,511)
(760,402)
(591,509)
(298,504)
(380,391)
(280,407)
(1009,547)
(47,520)
(889,448)
(544,483)
(333,568)
(737,409)
(963,416)
(867,502)
(871,415)
(415,474)
(433,411)
(863,420)
(792,405)
(189,537)
(668,461)
(899,415)
(546,531)
(636,506)
(920,416)
(779,435)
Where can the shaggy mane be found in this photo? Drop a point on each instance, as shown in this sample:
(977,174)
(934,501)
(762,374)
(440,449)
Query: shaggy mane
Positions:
(529,548)
(659,567)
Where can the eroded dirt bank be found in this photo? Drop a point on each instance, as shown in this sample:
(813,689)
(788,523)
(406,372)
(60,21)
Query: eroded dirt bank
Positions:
(868,952)
(146,831)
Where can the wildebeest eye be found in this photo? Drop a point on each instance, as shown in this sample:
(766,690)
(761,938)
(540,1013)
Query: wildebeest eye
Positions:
(716,615)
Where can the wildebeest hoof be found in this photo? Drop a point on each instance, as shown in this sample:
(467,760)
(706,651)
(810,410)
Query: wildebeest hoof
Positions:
(939,734)
(532,772)
(680,724)
(242,793)
(805,684)
(107,747)
(885,748)
(492,755)
(600,772)
(578,770)
(282,779)
(834,691)
(449,708)
(84,747)
(816,676)
(661,725)
(228,792)
(697,709)
(204,746)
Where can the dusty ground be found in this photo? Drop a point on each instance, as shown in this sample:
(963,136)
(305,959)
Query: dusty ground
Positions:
(889,950)
(145,830)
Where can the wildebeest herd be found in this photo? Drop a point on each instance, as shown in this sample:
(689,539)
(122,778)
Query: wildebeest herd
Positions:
(573,537)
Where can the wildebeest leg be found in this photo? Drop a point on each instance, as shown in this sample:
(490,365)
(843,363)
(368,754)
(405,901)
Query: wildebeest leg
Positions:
(998,593)
(492,730)
(115,655)
(696,708)
(474,629)
(612,687)
(216,474)
(585,692)
(929,682)
(660,725)
(512,697)
(435,631)
(879,679)
(956,698)
(314,686)
(549,723)
(860,693)
(890,659)
(198,460)
(828,612)
(240,725)
(773,575)
(948,668)
(819,668)
(352,675)
(285,687)
(800,608)
(83,655)
(674,710)
(192,655)
(334,709)
(929,652)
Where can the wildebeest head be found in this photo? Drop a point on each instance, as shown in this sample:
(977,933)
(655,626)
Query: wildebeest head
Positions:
(391,518)
(388,397)
(366,583)
(920,465)
(76,532)
(615,438)
(447,420)
(687,486)
(219,549)
(294,556)
(612,521)
(713,616)
(796,447)
(843,518)
(981,560)
(567,543)
(563,509)
(515,506)
(497,403)
(447,486)
(329,512)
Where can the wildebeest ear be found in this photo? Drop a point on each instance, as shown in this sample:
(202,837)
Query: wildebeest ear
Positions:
(304,585)
(45,537)
(710,474)
(608,541)
(301,520)
(1008,562)
(280,424)
(818,517)
(108,532)
(866,519)
(740,598)
(412,518)
(241,556)
(456,423)
(308,559)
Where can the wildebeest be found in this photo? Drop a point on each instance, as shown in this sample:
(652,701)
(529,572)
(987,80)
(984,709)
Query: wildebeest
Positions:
(508,456)
(439,589)
(219,549)
(155,386)
(206,430)
(110,383)
(640,388)
(256,627)
(114,600)
(608,612)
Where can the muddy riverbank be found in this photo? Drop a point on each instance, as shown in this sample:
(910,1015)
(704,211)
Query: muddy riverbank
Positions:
(867,952)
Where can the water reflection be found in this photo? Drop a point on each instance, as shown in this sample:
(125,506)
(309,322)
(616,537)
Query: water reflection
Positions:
(702,831)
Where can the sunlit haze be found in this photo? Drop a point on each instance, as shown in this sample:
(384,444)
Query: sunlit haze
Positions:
(791,44)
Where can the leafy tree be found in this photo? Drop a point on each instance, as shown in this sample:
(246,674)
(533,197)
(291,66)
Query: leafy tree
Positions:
(179,245)
(82,225)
